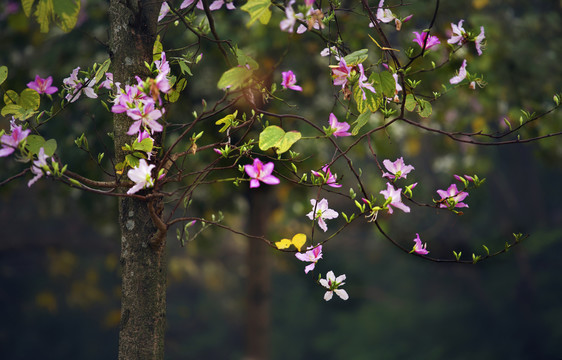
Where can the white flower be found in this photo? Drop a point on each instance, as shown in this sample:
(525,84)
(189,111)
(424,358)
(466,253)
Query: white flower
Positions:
(39,167)
(322,212)
(141,176)
(332,283)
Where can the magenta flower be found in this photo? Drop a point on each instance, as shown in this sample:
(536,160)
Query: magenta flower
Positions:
(332,283)
(42,86)
(39,167)
(418,247)
(329,178)
(461,74)
(10,142)
(339,128)
(420,39)
(289,81)
(141,176)
(398,169)
(108,82)
(320,212)
(312,256)
(128,99)
(395,196)
(145,116)
(162,65)
(260,172)
(478,41)
(452,197)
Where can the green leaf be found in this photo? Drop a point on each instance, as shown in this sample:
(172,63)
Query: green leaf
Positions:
(275,137)
(227,121)
(360,122)
(258,10)
(384,83)
(17,111)
(157,49)
(11,97)
(357,57)
(371,102)
(29,99)
(410,102)
(34,143)
(102,70)
(425,109)
(234,78)
(64,13)
(50,146)
(244,60)
(145,145)
(174,94)
(3,74)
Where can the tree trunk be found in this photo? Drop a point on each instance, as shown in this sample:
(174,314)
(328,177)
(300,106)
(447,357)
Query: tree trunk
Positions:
(258,297)
(143,308)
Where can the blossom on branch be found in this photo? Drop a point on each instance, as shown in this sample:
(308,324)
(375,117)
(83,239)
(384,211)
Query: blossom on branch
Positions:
(478,41)
(313,254)
(461,74)
(329,178)
(431,41)
(42,86)
(145,115)
(338,128)
(260,172)
(39,167)
(332,283)
(141,176)
(321,212)
(398,169)
(458,34)
(290,81)
(10,142)
(393,197)
(452,197)
(76,87)
(418,247)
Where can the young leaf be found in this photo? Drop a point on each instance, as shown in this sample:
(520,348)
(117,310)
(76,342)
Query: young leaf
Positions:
(258,10)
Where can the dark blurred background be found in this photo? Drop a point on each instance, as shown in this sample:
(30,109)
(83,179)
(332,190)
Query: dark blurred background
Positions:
(59,248)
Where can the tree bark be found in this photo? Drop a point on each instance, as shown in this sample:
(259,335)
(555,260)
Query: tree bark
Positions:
(143,308)
(258,296)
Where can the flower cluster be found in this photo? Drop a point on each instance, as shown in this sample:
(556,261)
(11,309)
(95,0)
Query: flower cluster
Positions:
(312,17)
(10,142)
(347,75)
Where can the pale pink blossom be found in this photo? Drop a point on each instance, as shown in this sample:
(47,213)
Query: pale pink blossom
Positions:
(362,82)
(341,72)
(332,283)
(321,212)
(39,167)
(215,5)
(339,128)
(75,87)
(42,86)
(398,169)
(478,41)
(141,176)
(452,197)
(164,9)
(461,74)
(458,34)
(313,254)
(10,142)
(396,200)
(260,172)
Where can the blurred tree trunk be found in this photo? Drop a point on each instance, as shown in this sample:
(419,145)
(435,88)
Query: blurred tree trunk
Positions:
(143,308)
(258,295)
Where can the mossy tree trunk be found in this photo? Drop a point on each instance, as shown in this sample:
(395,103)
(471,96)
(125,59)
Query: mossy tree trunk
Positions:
(143,309)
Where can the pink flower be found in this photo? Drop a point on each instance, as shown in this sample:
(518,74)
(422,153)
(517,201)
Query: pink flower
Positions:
(420,39)
(289,81)
(461,75)
(10,142)
(141,176)
(108,82)
(312,256)
(340,73)
(452,197)
(339,128)
(395,197)
(320,212)
(163,11)
(418,247)
(39,167)
(289,23)
(363,84)
(332,283)
(478,41)
(458,34)
(215,5)
(260,172)
(146,116)
(75,87)
(384,15)
(328,177)
(42,86)
(398,169)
